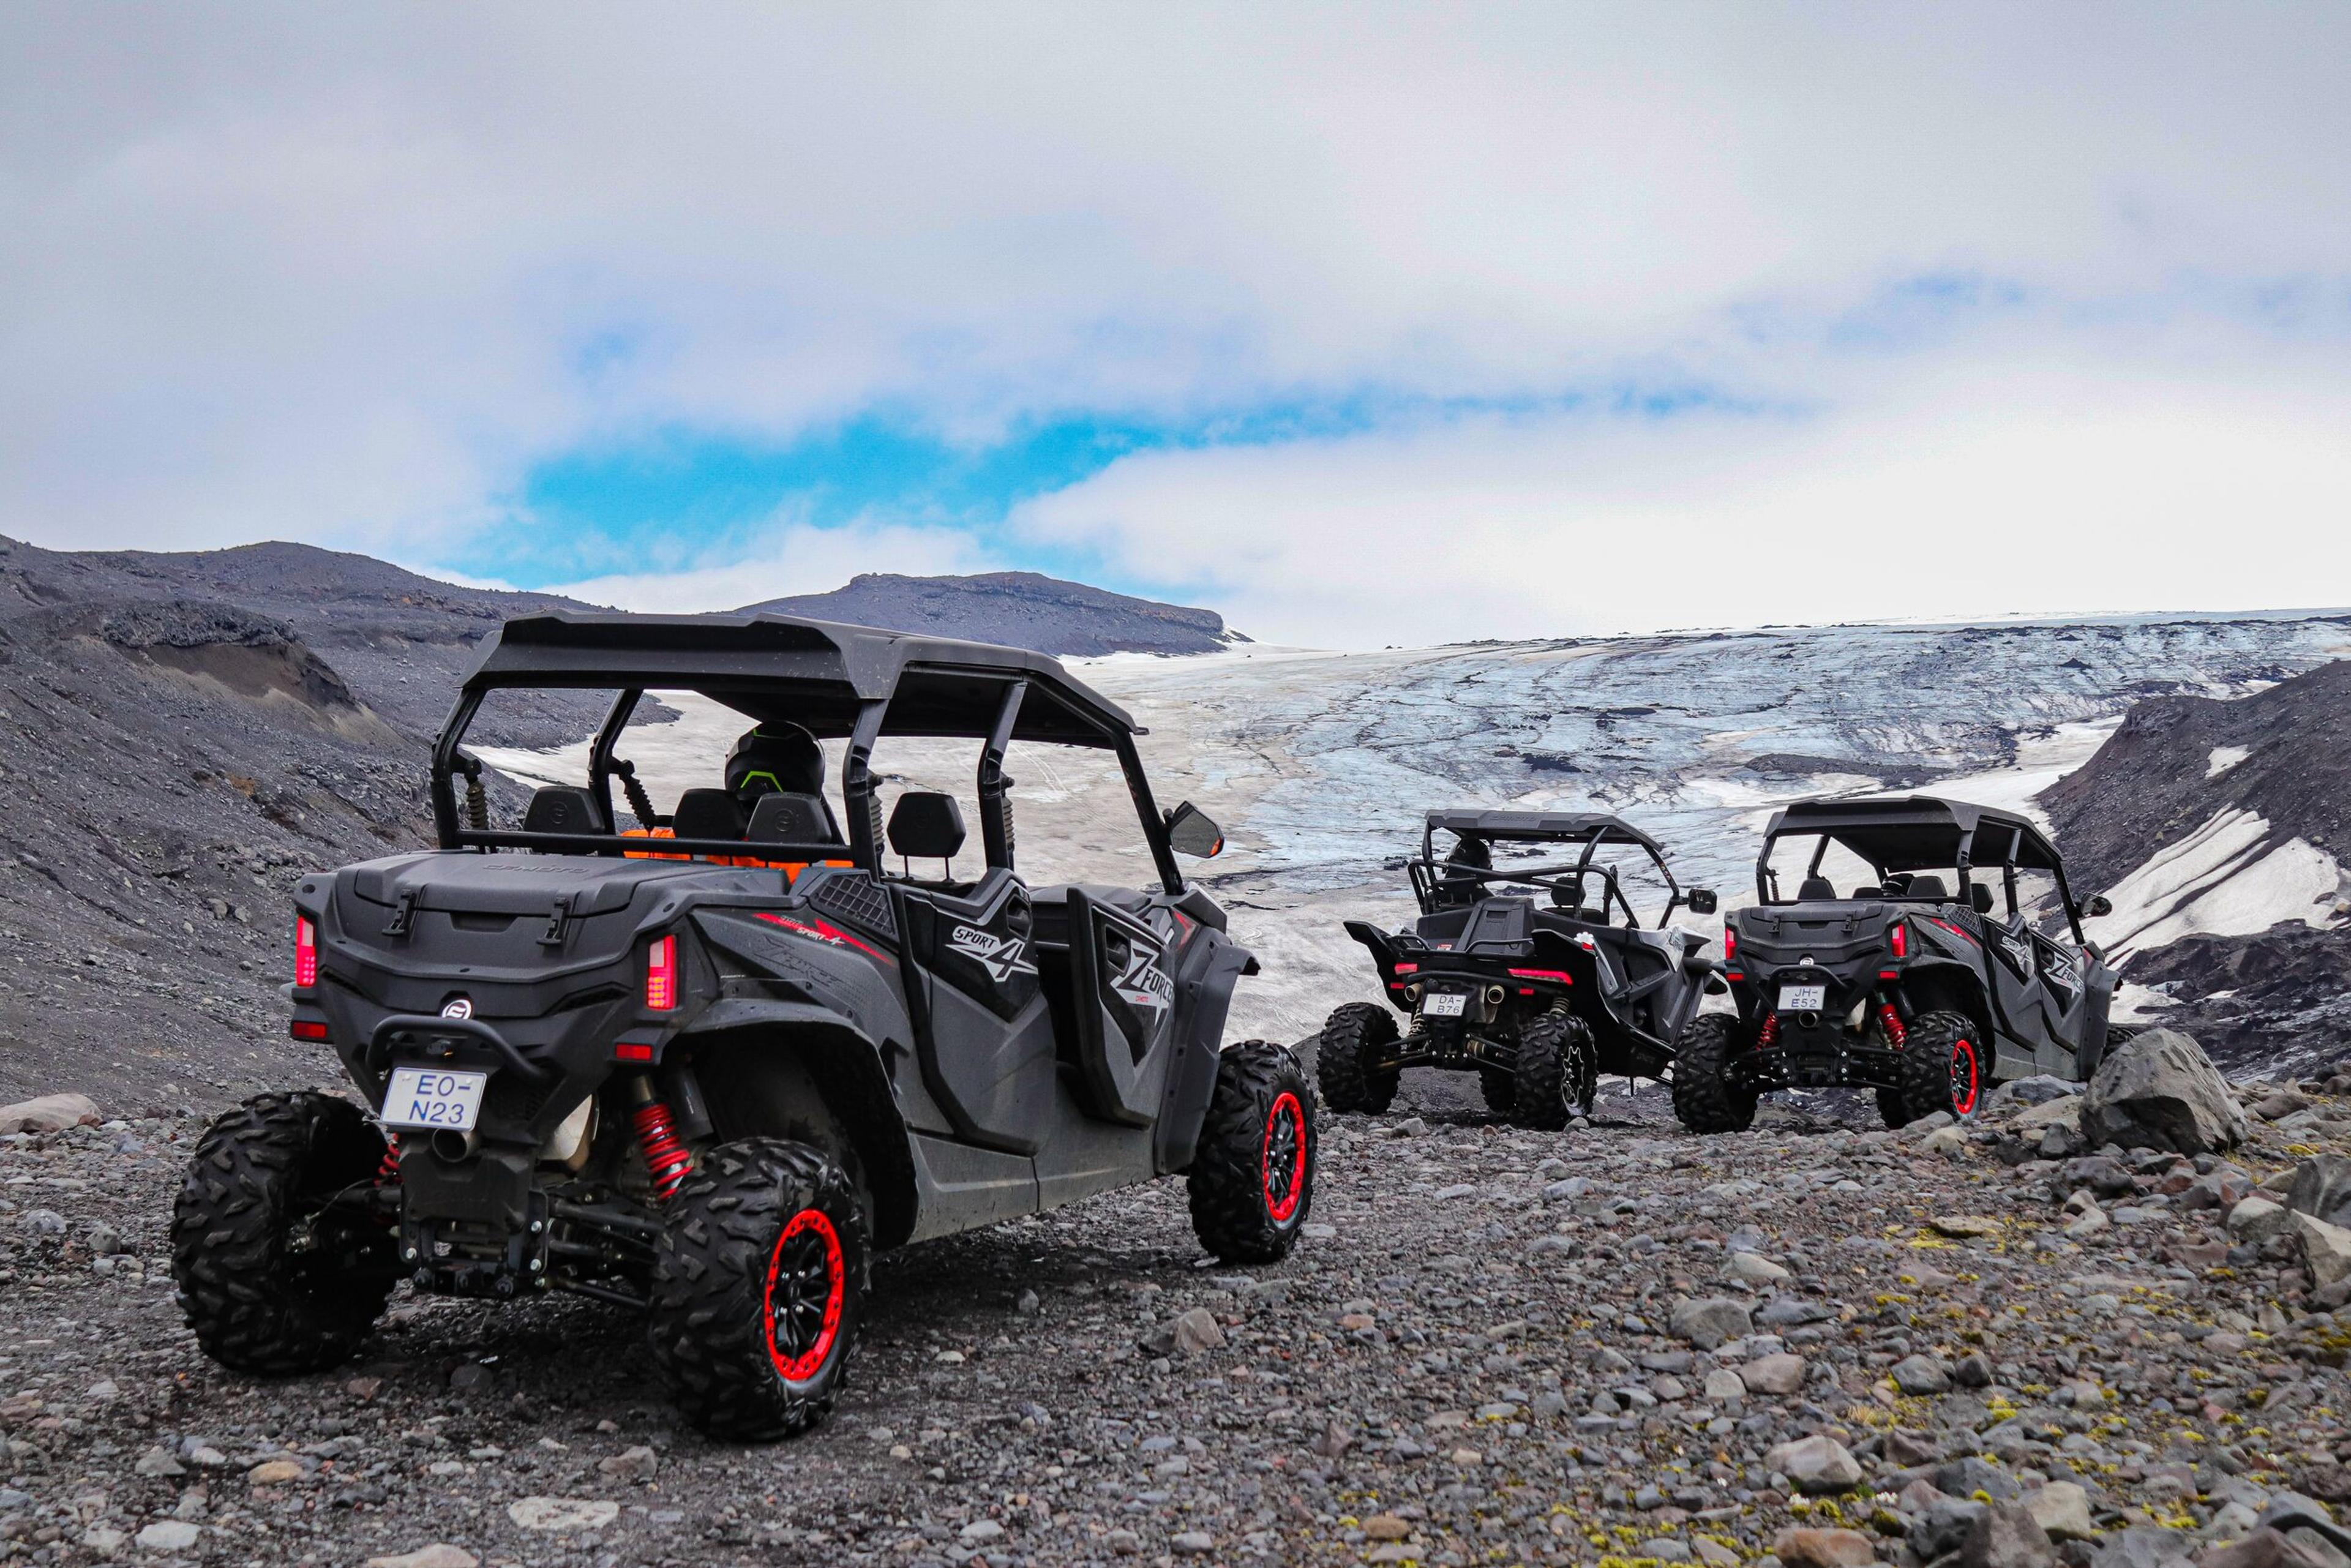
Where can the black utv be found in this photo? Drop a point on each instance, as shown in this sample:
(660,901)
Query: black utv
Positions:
(1537,976)
(702,1068)
(1910,984)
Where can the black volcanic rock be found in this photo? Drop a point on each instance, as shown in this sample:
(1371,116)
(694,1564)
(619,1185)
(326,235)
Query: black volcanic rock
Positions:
(2152,783)
(1016,610)
(2280,993)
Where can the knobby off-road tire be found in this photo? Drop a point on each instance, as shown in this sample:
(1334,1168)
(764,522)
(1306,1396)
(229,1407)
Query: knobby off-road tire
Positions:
(758,1288)
(1553,1053)
(1705,1100)
(1943,1069)
(1252,1179)
(1500,1089)
(1352,1038)
(264,1288)
(2121,1034)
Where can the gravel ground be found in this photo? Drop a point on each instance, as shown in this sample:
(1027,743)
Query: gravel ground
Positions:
(1476,1358)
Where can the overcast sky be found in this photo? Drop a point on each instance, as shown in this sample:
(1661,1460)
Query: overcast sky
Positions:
(1363,325)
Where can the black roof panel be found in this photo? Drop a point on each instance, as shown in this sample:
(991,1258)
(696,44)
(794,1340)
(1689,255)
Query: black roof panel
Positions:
(1560,827)
(813,672)
(1919,832)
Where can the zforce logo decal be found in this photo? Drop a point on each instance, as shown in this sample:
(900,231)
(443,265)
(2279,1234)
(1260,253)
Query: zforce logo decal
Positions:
(1002,956)
(1142,984)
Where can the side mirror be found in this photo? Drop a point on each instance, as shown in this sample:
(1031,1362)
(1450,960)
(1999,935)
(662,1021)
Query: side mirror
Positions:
(1701,901)
(1191,831)
(1979,898)
(2099,905)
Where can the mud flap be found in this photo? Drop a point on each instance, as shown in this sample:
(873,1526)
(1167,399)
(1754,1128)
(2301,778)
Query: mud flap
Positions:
(1120,996)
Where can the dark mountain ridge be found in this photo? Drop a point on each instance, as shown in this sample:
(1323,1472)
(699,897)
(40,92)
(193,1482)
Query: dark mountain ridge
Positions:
(1018,609)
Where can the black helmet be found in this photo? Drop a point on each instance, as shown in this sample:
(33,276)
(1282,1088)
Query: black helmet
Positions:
(775,758)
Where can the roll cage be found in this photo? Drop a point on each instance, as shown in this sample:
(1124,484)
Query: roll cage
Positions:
(1919,832)
(840,683)
(1432,877)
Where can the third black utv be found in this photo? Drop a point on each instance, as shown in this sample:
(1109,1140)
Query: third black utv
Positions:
(1537,976)
(1911,985)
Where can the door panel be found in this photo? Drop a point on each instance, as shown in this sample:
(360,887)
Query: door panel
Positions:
(2065,1000)
(984,1036)
(1122,1002)
(2016,989)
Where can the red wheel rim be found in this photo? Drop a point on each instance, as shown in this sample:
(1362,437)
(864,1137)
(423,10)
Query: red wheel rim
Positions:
(806,1287)
(1284,1158)
(1965,1078)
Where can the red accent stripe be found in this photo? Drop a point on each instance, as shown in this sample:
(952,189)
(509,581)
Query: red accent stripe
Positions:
(822,931)
(1559,975)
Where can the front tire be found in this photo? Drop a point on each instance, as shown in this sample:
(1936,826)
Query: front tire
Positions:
(758,1288)
(1253,1178)
(1705,1099)
(1352,1040)
(1943,1069)
(269,1280)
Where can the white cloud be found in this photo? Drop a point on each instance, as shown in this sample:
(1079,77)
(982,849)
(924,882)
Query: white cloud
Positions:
(2012,493)
(345,273)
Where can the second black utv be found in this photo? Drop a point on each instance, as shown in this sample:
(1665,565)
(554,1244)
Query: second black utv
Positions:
(1539,978)
(1920,983)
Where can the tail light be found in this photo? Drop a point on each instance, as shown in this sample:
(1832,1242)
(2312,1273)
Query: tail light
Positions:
(1730,944)
(306,951)
(661,975)
(1901,940)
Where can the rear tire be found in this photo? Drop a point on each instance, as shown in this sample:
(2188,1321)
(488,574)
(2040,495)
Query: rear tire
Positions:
(1351,1038)
(1942,1069)
(1253,1178)
(1500,1089)
(266,1284)
(1553,1050)
(758,1288)
(1705,1100)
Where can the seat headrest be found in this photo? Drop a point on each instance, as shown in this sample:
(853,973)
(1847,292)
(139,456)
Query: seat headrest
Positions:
(793,818)
(1926,887)
(1816,889)
(564,808)
(926,826)
(707,814)
(775,758)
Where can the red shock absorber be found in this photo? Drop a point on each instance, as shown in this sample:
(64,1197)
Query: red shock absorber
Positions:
(1891,1022)
(667,1161)
(387,1170)
(1768,1032)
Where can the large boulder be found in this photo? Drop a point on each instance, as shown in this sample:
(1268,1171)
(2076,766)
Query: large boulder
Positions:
(49,1113)
(2322,1189)
(2325,1249)
(2160,1091)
